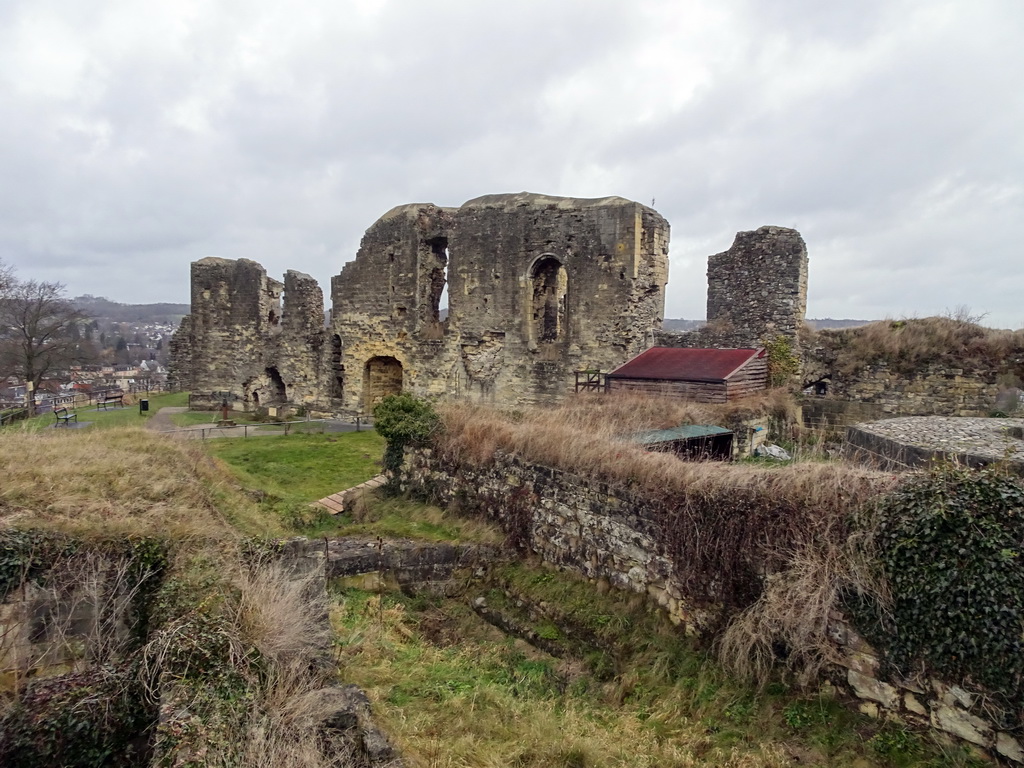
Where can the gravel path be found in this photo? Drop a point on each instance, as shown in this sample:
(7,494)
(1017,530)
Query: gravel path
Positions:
(161,420)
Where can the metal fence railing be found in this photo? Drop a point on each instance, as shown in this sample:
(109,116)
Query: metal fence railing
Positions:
(262,429)
(12,415)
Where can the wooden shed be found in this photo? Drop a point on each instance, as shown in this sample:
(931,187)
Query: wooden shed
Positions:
(702,375)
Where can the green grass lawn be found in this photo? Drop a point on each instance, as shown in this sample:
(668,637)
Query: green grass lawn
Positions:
(111,417)
(287,473)
(191,418)
(378,515)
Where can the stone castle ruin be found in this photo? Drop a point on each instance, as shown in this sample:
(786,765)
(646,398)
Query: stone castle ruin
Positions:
(538,287)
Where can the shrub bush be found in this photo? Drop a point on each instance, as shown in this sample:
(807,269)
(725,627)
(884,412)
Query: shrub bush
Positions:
(951,544)
(403,420)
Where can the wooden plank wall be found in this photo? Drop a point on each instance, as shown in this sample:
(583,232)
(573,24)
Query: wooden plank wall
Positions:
(698,391)
(752,377)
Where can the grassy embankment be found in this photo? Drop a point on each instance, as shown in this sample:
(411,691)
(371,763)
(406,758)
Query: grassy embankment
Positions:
(626,687)
(452,690)
(908,345)
(231,638)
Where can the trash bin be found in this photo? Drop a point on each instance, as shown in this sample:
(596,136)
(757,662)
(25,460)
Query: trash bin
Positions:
(143,406)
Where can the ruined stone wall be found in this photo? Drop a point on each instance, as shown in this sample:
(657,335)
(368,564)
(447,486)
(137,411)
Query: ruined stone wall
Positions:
(386,306)
(538,287)
(301,350)
(608,534)
(757,290)
(243,344)
(179,360)
(934,390)
(583,526)
(917,367)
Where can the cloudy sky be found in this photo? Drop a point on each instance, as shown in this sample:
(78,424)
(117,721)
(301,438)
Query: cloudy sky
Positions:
(137,136)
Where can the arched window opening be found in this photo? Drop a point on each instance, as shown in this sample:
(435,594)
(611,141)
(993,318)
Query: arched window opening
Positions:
(337,369)
(274,315)
(382,376)
(550,292)
(437,288)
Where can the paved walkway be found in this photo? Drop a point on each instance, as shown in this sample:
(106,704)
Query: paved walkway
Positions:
(161,422)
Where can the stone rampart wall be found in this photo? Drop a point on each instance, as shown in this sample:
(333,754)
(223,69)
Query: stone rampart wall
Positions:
(933,391)
(607,534)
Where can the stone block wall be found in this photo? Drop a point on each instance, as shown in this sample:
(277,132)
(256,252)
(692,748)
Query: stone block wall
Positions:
(934,390)
(608,534)
(252,340)
(759,285)
(581,526)
(757,290)
(538,287)
(921,701)
(81,608)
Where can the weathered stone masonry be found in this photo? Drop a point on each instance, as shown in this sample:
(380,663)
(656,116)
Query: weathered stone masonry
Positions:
(607,534)
(757,291)
(251,339)
(538,287)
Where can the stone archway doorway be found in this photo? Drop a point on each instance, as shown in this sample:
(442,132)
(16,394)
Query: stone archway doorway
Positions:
(382,376)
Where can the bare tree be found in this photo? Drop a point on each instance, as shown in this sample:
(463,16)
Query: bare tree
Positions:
(36,321)
(6,279)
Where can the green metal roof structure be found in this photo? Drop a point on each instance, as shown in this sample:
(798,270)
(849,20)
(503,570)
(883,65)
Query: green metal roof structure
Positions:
(684,432)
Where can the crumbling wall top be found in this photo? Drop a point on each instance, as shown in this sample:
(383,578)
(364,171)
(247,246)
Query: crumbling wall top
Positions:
(524,199)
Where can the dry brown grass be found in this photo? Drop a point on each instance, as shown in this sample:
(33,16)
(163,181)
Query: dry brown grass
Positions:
(272,627)
(119,482)
(908,345)
(589,436)
(794,612)
(285,619)
(724,524)
(573,434)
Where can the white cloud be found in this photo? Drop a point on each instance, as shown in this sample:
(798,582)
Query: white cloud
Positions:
(139,136)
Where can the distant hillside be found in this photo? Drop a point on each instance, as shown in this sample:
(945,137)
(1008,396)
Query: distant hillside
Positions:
(678,324)
(99,307)
(828,322)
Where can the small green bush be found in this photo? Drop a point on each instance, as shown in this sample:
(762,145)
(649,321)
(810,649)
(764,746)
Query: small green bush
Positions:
(403,420)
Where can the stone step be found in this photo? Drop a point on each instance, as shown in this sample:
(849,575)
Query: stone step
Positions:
(337,502)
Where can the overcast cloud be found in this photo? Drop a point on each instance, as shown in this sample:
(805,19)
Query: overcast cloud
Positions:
(137,136)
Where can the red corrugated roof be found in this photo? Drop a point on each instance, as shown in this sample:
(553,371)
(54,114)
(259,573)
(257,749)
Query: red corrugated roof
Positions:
(675,364)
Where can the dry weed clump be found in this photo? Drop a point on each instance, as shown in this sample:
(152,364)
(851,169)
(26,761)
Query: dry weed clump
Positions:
(908,345)
(242,672)
(793,613)
(118,482)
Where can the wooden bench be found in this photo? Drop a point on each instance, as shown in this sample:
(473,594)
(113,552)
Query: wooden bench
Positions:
(63,416)
(108,400)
